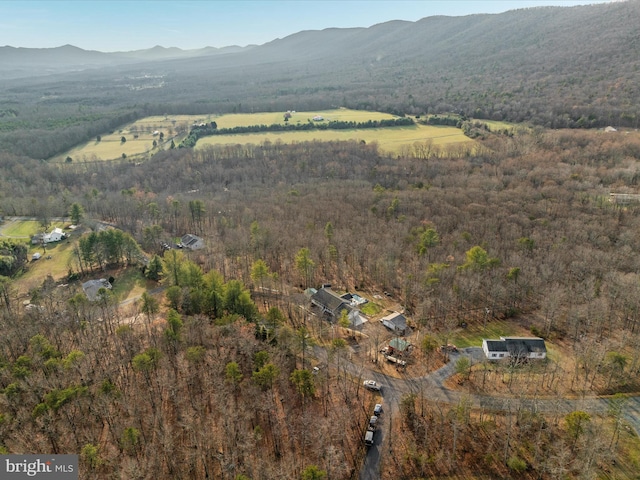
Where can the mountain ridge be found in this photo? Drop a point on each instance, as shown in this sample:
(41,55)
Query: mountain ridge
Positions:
(576,67)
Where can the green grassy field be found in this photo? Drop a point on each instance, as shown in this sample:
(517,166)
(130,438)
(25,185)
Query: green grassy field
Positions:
(130,283)
(495,125)
(61,258)
(110,147)
(473,335)
(139,135)
(23,229)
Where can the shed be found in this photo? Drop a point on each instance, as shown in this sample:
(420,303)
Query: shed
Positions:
(396,322)
(399,345)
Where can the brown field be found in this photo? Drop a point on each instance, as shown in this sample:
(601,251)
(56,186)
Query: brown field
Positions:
(139,135)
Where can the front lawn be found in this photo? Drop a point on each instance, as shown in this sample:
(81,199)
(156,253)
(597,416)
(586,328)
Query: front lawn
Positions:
(24,229)
(370,309)
(472,335)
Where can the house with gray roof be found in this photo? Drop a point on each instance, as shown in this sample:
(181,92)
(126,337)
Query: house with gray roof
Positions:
(333,305)
(514,348)
(330,302)
(192,242)
(92,288)
(396,322)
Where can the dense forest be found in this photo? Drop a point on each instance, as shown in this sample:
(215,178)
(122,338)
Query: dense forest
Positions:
(522,226)
(209,373)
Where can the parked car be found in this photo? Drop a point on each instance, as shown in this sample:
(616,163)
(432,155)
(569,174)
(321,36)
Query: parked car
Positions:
(377,410)
(372,385)
(450,347)
(368,438)
(373,421)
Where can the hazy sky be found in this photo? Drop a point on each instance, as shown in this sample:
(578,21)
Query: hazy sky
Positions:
(122,25)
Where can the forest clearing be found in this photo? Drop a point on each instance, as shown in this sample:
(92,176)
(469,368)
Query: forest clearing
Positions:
(149,135)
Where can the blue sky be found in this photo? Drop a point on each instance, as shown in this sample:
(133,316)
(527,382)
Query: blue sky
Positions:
(123,25)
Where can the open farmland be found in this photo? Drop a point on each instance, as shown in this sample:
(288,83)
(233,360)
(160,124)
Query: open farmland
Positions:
(391,139)
(138,144)
(140,136)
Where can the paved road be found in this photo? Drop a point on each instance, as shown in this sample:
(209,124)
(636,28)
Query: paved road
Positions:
(432,386)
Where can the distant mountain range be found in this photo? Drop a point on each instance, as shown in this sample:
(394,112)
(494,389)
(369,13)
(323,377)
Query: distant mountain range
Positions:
(18,62)
(553,66)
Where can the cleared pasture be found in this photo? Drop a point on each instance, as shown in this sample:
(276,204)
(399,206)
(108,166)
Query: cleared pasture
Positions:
(140,136)
(270,118)
(22,229)
(392,139)
(62,258)
(495,125)
(111,147)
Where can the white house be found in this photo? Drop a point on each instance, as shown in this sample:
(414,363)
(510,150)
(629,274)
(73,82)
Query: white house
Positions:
(192,242)
(395,322)
(55,236)
(517,348)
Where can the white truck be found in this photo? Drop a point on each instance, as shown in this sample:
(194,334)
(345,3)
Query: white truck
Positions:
(368,438)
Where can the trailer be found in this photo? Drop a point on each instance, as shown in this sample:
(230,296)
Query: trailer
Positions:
(396,360)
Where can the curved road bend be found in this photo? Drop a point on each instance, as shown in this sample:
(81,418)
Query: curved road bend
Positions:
(432,385)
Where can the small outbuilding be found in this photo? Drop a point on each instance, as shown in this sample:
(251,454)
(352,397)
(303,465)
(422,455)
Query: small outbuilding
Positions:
(398,345)
(37,239)
(395,322)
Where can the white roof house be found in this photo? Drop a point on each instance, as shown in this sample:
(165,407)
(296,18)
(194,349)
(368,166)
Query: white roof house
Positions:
(55,236)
